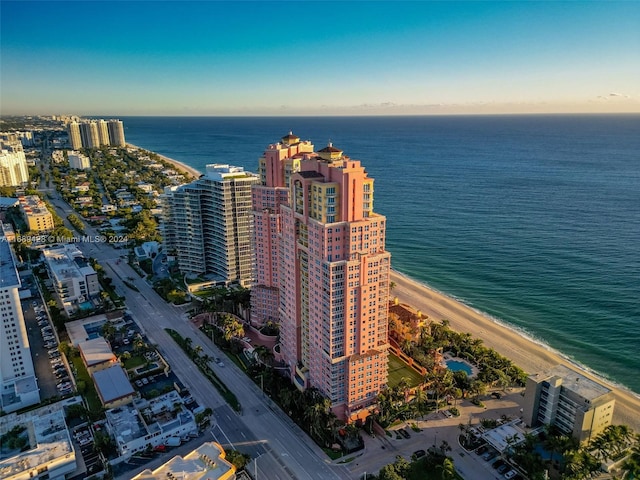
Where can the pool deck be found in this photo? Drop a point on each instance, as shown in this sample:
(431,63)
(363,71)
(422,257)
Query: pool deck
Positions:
(449,356)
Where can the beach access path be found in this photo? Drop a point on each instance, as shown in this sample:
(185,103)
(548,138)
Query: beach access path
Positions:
(525,353)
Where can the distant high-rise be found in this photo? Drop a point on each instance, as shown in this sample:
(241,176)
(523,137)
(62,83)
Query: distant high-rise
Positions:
(280,161)
(103,132)
(17,376)
(332,271)
(74,135)
(89,135)
(116,133)
(13,163)
(208,224)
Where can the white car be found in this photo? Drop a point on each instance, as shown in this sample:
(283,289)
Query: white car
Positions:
(246,339)
(510,474)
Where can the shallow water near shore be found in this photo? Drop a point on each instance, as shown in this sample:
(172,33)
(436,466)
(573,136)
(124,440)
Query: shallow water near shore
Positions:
(532,220)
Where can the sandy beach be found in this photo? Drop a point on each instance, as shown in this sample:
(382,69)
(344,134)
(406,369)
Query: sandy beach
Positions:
(527,354)
(182,167)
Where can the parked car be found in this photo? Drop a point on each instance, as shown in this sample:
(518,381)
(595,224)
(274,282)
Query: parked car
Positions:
(419,454)
(510,474)
(404,433)
(481,449)
(139,383)
(497,395)
(246,339)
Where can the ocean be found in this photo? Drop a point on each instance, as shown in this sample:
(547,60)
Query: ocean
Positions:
(533,220)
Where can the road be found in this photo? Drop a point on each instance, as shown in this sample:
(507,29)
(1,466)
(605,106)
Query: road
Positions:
(282,449)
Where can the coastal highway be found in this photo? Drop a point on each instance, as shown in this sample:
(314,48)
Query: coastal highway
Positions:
(262,430)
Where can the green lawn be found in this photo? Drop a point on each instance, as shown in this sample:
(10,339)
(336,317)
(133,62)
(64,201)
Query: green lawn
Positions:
(134,361)
(90,392)
(399,369)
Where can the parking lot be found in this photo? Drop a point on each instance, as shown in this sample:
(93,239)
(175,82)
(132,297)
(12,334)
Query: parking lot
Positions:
(49,367)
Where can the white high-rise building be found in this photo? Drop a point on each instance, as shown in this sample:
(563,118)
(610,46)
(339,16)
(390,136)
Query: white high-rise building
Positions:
(103,132)
(89,135)
(19,388)
(116,133)
(13,163)
(208,223)
(74,135)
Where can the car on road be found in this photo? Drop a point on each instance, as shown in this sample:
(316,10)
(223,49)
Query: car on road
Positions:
(219,362)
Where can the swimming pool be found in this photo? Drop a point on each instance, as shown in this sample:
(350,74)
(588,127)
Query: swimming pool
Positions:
(458,365)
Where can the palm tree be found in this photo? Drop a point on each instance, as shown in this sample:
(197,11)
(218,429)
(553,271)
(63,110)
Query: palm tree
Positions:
(264,354)
(631,466)
(447,469)
(231,327)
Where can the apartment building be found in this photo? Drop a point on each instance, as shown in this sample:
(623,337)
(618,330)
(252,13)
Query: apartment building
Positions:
(36,214)
(278,163)
(74,280)
(19,388)
(208,224)
(575,404)
(78,161)
(333,273)
(13,162)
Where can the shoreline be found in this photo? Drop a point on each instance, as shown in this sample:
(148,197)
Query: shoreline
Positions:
(527,353)
(180,166)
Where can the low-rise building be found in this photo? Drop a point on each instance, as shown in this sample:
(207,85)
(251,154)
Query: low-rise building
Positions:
(96,355)
(113,387)
(36,214)
(149,423)
(205,462)
(74,280)
(47,444)
(565,398)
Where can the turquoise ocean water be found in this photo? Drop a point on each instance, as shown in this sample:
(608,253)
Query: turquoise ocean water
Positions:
(533,220)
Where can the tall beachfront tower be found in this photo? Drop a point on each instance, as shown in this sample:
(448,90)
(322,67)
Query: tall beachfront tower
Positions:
(103,132)
(334,282)
(74,135)
(17,377)
(208,224)
(116,133)
(279,162)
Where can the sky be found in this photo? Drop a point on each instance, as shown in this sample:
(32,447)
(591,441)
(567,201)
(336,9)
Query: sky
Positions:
(318,58)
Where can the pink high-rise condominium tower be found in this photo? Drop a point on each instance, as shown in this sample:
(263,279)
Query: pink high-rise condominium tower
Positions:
(329,271)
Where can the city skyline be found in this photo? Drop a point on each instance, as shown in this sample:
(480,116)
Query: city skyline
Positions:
(317,58)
